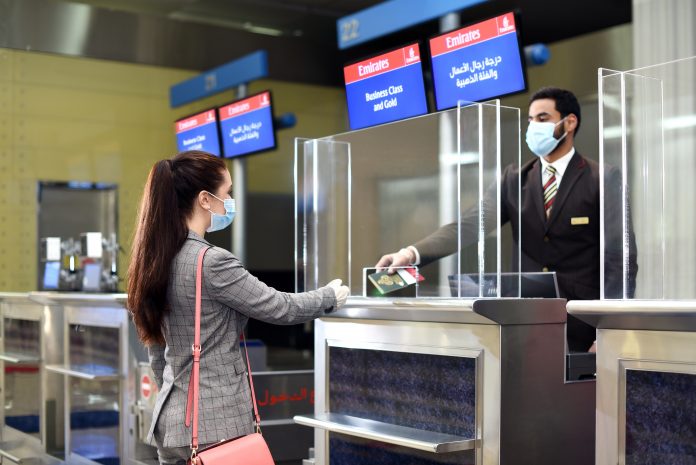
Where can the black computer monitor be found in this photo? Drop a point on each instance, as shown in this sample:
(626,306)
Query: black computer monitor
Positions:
(525,284)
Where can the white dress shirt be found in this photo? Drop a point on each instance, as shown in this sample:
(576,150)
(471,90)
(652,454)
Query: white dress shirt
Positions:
(560,165)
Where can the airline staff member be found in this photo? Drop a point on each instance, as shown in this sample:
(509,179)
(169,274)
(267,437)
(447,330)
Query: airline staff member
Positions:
(559,213)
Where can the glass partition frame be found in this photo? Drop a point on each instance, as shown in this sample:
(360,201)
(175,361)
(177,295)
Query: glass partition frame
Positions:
(365,193)
(648,132)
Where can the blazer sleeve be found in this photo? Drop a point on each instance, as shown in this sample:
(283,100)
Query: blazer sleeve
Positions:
(229,283)
(156,356)
(443,241)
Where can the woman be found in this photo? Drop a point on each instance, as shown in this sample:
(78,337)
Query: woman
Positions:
(185,197)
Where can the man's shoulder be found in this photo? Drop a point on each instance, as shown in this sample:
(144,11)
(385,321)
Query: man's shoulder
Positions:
(587,163)
(514,169)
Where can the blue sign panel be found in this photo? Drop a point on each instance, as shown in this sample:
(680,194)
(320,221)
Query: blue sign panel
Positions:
(248,68)
(198,132)
(385,88)
(477,63)
(391,16)
(247,125)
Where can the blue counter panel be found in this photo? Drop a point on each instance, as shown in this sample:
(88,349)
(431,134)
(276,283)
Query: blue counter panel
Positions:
(429,392)
(660,418)
(346,450)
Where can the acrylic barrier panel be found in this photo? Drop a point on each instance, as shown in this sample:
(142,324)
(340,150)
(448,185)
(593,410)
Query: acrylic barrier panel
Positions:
(372,192)
(490,134)
(322,212)
(648,137)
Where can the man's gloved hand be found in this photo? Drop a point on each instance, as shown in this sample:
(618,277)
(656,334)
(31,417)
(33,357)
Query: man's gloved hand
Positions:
(340,291)
(403,257)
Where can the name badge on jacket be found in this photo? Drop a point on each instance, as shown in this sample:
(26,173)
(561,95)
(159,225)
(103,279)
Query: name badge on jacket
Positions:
(578,220)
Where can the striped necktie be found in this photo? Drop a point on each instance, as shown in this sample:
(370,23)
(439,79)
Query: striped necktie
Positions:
(550,189)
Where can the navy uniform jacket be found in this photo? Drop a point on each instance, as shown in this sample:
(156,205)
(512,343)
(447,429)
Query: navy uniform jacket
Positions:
(569,247)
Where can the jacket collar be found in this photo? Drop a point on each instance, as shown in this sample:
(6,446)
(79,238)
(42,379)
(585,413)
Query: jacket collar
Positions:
(194,236)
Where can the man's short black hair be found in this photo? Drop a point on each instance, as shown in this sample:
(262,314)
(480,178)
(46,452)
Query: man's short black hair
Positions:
(566,103)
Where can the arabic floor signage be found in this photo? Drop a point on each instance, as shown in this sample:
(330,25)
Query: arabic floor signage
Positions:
(247,125)
(385,88)
(198,132)
(282,395)
(477,62)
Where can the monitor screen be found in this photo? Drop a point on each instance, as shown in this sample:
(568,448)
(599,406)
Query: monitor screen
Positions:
(529,284)
(478,62)
(198,132)
(51,275)
(247,125)
(385,88)
(91,280)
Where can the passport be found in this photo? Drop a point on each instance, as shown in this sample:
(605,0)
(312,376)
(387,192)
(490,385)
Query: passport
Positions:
(401,283)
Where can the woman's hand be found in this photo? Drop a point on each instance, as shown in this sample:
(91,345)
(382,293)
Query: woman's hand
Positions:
(340,291)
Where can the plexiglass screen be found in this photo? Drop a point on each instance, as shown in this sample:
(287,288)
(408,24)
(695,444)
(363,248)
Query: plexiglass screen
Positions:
(429,187)
(647,141)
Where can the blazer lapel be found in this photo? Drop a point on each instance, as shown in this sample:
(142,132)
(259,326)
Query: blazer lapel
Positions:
(535,192)
(576,168)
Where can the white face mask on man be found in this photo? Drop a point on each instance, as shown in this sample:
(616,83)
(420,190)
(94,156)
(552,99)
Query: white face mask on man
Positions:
(540,138)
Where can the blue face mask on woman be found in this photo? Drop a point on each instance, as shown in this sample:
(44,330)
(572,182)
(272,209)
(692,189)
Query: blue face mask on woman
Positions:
(540,138)
(219,222)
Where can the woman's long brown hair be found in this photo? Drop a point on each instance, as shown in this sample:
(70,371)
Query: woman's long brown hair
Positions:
(170,191)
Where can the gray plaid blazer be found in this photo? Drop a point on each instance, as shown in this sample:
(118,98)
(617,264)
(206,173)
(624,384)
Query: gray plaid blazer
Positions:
(230,296)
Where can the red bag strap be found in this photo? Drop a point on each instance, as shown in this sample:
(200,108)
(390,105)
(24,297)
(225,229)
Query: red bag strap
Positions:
(257,418)
(192,402)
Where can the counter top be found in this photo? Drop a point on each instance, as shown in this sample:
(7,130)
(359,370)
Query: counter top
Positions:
(474,311)
(66,298)
(656,315)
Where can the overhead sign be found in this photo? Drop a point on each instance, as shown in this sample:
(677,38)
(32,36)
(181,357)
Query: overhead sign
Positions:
(247,125)
(198,132)
(477,62)
(391,16)
(385,88)
(248,68)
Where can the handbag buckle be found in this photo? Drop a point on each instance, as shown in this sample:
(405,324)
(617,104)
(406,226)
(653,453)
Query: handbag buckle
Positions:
(194,455)
(195,348)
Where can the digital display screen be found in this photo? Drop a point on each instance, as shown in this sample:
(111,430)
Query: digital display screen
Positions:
(246,125)
(198,132)
(91,280)
(477,62)
(51,275)
(385,88)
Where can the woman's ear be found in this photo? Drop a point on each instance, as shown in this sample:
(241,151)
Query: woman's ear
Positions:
(204,200)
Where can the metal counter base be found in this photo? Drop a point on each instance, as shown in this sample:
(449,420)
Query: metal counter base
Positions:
(646,380)
(446,381)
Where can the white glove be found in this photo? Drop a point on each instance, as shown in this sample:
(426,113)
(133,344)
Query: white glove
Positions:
(341,292)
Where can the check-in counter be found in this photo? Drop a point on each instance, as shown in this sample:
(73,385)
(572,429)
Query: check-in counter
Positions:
(448,381)
(646,380)
(78,388)
(32,417)
(69,379)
